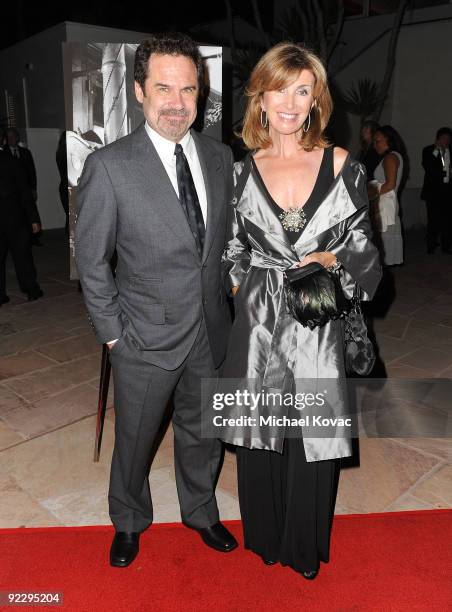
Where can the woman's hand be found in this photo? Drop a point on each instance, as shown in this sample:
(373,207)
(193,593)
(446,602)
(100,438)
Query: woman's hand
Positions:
(375,216)
(325,258)
(372,191)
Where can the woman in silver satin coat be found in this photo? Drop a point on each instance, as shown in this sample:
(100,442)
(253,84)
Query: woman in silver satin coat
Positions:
(302,201)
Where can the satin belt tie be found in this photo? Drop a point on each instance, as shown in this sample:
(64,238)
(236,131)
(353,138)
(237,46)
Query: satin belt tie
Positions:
(285,327)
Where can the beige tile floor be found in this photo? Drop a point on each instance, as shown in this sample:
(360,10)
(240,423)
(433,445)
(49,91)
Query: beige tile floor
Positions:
(49,369)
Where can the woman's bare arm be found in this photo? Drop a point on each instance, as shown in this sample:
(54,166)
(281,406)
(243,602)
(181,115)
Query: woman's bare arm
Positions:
(390,166)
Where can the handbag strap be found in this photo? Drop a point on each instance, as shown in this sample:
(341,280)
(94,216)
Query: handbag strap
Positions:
(241,182)
(356,300)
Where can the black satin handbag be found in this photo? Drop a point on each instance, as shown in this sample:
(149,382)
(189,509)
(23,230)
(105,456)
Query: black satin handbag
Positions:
(359,351)
(314,295)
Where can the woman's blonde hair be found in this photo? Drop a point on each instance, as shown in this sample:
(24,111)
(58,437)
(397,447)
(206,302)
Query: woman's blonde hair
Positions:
(279,66)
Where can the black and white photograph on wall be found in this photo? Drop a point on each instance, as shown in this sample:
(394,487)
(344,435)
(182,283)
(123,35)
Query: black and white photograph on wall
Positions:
(101,105)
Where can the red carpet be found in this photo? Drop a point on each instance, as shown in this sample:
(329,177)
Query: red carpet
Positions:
(379,562)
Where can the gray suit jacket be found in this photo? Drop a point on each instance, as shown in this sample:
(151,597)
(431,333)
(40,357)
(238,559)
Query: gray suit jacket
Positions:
(161,289)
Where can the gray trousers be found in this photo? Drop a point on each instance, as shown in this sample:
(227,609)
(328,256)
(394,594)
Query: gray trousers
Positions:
(142,393)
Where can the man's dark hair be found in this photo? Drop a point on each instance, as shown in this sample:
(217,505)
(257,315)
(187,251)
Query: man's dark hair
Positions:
(10,130)
(443,131)
(371,125)
(167,43)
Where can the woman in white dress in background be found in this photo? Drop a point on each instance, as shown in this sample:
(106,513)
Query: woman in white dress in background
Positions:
(385,205)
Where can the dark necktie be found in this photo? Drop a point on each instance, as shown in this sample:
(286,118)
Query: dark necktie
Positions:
(189,198)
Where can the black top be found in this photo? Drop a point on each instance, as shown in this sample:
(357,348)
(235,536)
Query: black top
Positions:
(17,206)
(322,184)
(434,187)
(25,158)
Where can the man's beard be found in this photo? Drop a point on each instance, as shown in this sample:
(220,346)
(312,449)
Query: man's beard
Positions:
(175,128)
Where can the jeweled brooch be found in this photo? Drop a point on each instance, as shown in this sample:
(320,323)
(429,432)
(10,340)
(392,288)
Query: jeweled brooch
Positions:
(293,220)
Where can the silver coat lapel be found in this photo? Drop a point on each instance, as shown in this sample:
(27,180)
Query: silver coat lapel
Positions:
(342,200)
(254,207)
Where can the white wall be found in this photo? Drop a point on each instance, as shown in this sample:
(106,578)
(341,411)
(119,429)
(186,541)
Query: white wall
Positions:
(43,143)
(420,99)
(38,60)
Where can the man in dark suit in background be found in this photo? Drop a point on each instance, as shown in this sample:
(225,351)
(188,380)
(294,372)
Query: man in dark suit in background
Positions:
(13,147)
(18,219)
(437,191)
(159,197)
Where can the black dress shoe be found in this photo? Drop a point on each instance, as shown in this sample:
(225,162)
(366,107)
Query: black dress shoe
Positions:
(218,537)
(124,548)
(4,299)
(35,295)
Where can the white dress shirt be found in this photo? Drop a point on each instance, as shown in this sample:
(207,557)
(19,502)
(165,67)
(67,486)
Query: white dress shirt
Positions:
(165,150)
(445,160)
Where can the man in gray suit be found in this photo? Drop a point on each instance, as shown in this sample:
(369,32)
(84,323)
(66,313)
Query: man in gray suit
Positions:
(159,197)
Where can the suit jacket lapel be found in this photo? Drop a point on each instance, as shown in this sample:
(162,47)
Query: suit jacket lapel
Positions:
(151,173)
(211,167)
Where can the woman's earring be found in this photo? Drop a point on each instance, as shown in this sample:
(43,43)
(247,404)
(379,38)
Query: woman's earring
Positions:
(264,123)
(306,129)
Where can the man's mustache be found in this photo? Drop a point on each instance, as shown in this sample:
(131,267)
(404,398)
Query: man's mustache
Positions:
(173,112)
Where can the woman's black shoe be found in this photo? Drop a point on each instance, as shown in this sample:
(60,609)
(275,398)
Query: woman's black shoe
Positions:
(310,575)
(268,561)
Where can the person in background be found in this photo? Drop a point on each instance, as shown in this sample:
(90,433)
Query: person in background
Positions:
(384,197)
(367,155)
(61,161)
(12,146)
(18,217)
(437,191)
